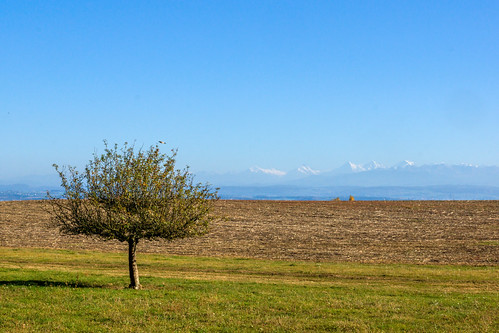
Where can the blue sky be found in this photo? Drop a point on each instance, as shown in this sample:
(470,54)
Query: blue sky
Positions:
(235,84)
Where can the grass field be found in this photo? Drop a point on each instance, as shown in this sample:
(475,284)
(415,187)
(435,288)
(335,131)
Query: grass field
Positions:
(269,266)
(61,290)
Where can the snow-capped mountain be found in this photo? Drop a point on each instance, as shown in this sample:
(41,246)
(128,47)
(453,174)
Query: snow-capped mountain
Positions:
(404,180)
(306,170)
(405,173)
(273,172)
(373,165)
(350,167)
(404,164)
(258,176)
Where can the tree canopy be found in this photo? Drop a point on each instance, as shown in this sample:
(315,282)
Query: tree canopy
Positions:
(129,195)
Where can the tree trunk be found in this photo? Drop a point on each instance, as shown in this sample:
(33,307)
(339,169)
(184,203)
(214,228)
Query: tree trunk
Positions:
(132,264)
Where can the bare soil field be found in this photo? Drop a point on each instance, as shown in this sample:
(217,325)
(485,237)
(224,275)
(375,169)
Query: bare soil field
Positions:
(414,232)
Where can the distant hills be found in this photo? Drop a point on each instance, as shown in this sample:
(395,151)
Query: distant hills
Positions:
(371,181)
(405,173)
(26,192)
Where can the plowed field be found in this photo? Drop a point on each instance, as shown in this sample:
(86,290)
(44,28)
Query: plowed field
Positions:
(429,232)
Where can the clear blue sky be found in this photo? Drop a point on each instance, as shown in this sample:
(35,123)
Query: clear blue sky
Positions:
(234,84)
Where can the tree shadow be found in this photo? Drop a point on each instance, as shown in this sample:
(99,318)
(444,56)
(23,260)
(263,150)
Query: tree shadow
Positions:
(45,283)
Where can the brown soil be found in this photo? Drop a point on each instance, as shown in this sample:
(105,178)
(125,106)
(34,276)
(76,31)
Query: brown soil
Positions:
(436,232)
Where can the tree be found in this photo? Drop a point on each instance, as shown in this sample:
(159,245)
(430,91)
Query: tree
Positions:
(130,195)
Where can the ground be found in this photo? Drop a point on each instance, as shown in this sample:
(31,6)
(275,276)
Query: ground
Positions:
(413,232)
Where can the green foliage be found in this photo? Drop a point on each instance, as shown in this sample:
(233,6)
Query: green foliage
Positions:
(126,195)
(131,195)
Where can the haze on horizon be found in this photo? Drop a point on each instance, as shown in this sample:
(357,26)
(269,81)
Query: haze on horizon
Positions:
(235,85)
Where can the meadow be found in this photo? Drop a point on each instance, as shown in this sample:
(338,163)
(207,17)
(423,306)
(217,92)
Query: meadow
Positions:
(269,266)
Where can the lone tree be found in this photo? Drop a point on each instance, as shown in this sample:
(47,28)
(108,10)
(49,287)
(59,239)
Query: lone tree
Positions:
(131,195)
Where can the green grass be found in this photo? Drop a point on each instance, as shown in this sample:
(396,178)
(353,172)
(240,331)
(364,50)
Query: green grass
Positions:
(489,243)
(67,291)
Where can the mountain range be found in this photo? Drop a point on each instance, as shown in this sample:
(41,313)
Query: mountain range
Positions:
(371,181)
(405,173)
